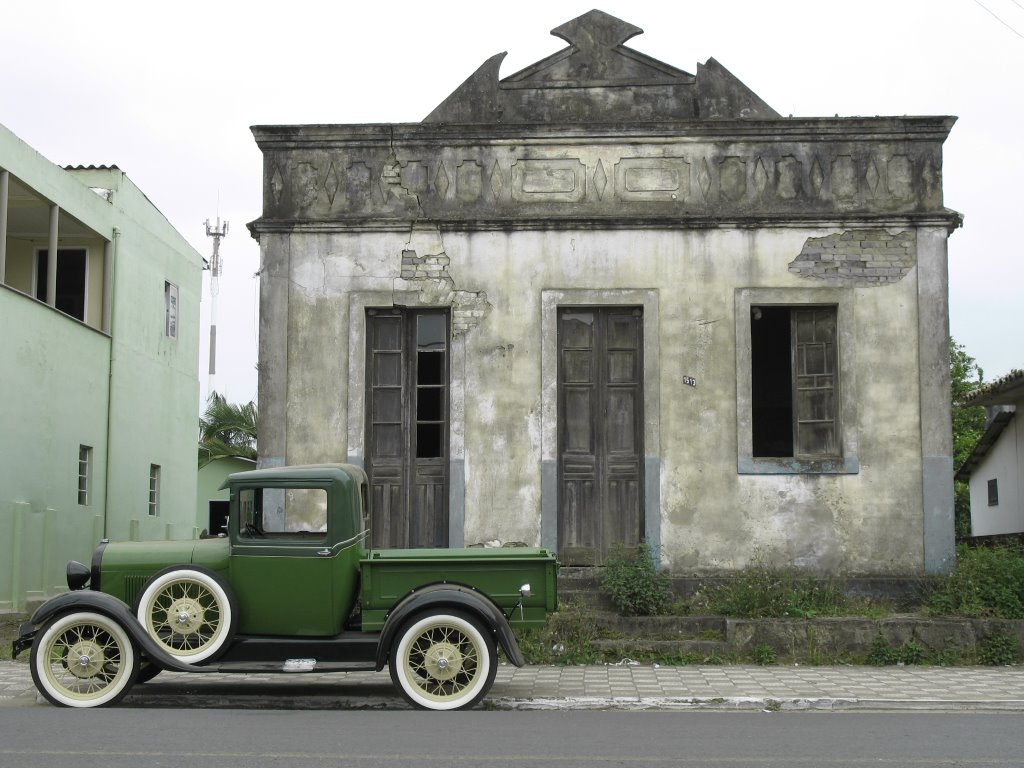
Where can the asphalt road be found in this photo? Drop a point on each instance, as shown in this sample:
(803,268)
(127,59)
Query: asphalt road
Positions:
(45,736)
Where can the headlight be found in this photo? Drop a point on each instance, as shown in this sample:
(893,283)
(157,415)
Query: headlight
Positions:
(78,575)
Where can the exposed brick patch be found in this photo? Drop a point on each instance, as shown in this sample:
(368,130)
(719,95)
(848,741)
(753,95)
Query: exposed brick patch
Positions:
(425,267)
(438,288)
(860,257)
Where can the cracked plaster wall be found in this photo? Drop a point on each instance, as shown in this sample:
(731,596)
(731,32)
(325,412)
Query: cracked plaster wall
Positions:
(712,518)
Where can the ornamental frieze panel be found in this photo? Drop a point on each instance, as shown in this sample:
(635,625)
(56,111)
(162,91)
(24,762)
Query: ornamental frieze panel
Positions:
(620,181)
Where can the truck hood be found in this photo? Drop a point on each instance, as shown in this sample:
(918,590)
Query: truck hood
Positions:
(151,556)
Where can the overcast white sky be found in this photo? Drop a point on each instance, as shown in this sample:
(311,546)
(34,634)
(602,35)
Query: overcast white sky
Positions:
(167,92)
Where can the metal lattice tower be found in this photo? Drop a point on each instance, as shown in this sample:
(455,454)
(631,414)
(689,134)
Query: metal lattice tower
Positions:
(216,232)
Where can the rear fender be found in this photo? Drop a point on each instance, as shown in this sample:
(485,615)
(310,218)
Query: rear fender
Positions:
(437,597)
(99,602)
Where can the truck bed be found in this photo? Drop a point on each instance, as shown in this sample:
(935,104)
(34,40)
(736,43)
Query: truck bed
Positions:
(387,575)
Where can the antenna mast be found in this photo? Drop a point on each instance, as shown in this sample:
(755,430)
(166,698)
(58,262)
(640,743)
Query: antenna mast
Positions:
(216,233)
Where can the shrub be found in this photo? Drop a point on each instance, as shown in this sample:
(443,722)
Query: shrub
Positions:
(987,582)
(633,584)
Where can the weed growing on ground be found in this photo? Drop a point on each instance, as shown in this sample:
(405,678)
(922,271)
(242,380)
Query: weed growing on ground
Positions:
(765,591)
(987,582)
(882,653)
(565,639)
(9,623)
(998,651)
(765,655)
(633,583)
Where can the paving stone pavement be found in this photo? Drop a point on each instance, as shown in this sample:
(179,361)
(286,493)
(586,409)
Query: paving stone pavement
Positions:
(622,686)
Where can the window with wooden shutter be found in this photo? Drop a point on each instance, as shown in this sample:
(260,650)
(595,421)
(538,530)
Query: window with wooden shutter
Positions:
(794,382)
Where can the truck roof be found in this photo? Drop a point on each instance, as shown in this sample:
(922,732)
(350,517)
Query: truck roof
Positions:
(344,474)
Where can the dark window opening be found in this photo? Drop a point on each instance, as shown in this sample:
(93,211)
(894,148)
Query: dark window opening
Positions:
(70,298)
(794,404)
(771,381)
(431,378)
(429,441)
(218,517)
(993,493)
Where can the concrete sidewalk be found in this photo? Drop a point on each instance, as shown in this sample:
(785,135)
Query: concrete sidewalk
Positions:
(623,686)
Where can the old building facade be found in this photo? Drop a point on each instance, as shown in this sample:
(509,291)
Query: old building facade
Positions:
(604,300)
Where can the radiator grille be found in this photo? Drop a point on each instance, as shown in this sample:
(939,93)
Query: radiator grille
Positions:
(132,588)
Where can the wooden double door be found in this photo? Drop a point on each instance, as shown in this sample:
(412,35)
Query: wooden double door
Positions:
(408,364)
(600,431)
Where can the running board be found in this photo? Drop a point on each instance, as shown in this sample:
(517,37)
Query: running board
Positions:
(288,666)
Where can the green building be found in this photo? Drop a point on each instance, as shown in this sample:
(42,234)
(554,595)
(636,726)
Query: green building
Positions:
(99,339)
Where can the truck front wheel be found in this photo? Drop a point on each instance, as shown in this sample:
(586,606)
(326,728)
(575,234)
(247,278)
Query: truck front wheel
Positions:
(83,660)
(189,611)
(443,661)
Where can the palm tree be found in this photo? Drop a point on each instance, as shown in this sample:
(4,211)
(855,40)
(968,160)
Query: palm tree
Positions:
(226,430)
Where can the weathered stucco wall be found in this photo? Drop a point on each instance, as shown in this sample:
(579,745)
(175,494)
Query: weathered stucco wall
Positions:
(711,517)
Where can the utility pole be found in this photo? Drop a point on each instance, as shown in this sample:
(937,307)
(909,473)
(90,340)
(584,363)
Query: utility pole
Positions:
(216,233)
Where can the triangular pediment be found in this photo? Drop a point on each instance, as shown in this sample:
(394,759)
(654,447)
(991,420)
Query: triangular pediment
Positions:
(598,79)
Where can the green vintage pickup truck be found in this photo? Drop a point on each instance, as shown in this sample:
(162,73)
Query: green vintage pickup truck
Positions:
(292,587)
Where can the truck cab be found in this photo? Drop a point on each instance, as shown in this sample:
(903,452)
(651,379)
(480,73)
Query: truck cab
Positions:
(297,538)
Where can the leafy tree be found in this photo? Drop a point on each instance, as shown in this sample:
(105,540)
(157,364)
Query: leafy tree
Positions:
(968,426)
(227,430)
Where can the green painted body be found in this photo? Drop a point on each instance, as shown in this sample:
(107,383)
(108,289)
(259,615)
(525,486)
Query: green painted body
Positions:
(300,565)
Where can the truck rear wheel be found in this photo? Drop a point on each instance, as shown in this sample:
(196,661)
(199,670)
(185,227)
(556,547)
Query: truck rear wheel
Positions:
(443,661)
(83,660)
(189,611)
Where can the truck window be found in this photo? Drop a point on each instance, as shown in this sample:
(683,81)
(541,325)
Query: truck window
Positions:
(283,512)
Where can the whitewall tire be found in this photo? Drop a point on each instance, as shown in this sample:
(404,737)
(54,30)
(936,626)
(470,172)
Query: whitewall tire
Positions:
(189,612)
(83,660)
(443,661)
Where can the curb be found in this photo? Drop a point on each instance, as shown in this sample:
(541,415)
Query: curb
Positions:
(753,704)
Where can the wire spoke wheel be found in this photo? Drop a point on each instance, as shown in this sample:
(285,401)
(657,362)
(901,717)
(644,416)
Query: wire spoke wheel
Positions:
(188,612)
(444,661)
(83,660)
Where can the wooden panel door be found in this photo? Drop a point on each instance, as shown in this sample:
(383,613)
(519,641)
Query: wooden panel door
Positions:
(407,426)
(600,431)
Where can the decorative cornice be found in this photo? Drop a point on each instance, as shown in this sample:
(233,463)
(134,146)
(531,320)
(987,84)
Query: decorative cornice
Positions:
(667,173)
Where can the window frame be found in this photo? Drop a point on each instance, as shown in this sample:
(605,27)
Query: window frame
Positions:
(85,454)
(798,298)
(992,486)
(154,491)
(172,308)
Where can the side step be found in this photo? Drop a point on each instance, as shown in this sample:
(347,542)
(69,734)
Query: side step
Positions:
(288,666)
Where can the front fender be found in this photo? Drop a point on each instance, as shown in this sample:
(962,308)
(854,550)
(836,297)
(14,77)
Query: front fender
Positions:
(99,602)
(439,596)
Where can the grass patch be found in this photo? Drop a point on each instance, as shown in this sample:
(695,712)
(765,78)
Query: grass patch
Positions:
(764,591)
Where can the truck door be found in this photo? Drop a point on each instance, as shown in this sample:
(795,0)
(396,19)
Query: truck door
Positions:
(283,568)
